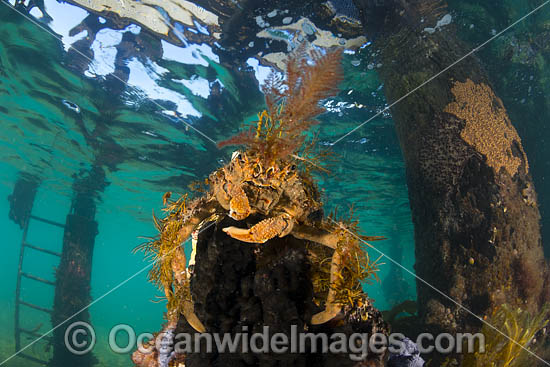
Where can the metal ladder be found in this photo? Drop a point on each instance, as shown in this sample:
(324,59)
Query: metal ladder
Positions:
(22,274)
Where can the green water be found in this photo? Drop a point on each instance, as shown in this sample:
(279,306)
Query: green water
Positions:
(144,153)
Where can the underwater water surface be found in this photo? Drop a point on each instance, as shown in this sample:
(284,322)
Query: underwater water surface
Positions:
(120,111)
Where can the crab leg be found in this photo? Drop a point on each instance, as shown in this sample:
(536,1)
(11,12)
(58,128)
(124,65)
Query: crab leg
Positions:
(204,210)
(332,309)
(189,312)
(313,234)
(191,317)
(263,231)
(179,262)
(182,278)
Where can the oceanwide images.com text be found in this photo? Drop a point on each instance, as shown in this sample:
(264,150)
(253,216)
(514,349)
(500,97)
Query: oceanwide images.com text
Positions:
(80,339)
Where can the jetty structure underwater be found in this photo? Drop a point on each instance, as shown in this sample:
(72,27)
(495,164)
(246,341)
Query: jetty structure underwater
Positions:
(266,255)
(472,196)
(72,286)
(478,246)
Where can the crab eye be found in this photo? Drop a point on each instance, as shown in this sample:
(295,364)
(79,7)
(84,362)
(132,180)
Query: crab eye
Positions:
(235,155)
(257,171)
(293,167)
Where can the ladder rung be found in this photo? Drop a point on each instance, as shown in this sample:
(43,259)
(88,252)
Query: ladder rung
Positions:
(38,279)
(34,333)
(31,358)
(35,307)
(42,249)
(48,221)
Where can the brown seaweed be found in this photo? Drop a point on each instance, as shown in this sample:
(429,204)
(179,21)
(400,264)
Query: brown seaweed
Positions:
(292,104)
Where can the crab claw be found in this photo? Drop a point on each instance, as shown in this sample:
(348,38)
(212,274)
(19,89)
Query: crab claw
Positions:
(240,234)
(264,230)
(239,207)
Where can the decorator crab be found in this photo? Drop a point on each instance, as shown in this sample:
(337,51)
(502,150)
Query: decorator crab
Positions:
(270,182)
